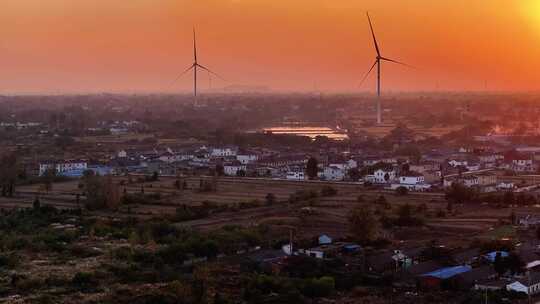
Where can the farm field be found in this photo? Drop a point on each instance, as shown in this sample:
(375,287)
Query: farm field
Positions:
(326,213)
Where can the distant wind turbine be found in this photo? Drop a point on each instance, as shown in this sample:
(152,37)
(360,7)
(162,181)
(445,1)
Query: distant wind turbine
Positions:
(377,63)
(195,66)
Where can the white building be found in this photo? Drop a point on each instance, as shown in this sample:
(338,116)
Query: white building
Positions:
(295,174)
(224,152)
(247,158)
(382,176)
(413,181)
(412,178)
(529,285)
(457,163)
(505,186)
(523,165)
(122,154)
(349,164)
(473,166)
(470,180)
(233,168)
(167,157)
(62,167)
(333,173)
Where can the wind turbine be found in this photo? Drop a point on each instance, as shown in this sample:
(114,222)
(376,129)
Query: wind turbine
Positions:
(195,66)
(377,63)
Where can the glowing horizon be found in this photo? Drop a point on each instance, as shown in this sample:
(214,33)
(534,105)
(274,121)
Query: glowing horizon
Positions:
(63,46)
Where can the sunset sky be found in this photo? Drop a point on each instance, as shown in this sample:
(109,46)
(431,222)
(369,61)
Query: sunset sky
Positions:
(71,46)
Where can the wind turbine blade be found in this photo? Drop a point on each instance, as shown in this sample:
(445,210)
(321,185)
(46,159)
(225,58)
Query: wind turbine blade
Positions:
(395,61)
(367,74)
(194,45)
(373,34)
(211,72)
(184,72)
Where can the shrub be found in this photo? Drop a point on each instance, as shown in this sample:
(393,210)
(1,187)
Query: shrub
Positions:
(328,191)
(302,195)
(322,287)
(9,261)
(84,281)
(402,191)
(270,199)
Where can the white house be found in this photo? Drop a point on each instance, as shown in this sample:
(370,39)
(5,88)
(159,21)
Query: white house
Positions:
(523,165)
(122,154)
(411,178)
(505,186)
(473,166)
(313,252)
(295,174)
(232,169)
(413,181)
(530,284)
(349,164)
(334,173)
(167,157)
(247,158)
(381,176)
(470,180)
(223,152)
(457,163)
(62,167)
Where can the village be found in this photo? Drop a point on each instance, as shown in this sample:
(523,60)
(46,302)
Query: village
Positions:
(396,215)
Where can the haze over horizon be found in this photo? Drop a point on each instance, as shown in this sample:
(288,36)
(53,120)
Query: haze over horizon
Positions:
(62,46)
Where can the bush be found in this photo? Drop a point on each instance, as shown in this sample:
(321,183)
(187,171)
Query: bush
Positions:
(328,191)
(302,196)
(84,281)
(8,261)
(322,287)
(402,191)
(83,251)
(270,199)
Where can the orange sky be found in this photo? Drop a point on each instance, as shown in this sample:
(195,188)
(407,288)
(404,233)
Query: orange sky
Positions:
(67,46)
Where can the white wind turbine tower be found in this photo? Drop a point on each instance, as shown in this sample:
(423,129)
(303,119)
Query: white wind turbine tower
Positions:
(195,66)
(377,63)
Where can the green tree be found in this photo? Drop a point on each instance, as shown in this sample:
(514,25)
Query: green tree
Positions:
(354,174)
(312,168)
(363,224)
(515,264)
(48,178)
(64,142)
(509,198)
(499,264)
(402,190)
(220,170)
(270,199)
(459,194)
(8,174)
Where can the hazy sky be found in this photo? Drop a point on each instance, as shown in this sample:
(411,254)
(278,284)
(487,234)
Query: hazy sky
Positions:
(58,46)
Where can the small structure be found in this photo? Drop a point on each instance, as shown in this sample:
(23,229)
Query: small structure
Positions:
(295,173)
(493,255)
(435,279)
(325,240)
(529,285)
(233,168)
(352,248)
(323,251)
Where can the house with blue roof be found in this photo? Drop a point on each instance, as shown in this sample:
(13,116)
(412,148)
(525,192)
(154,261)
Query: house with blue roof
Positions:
(442,276)
(325,240)
(492,255)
